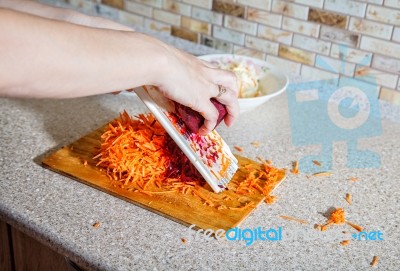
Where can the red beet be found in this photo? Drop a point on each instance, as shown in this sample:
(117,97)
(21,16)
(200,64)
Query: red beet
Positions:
(193,120)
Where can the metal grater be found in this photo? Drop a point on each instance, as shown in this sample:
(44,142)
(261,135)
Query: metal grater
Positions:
(210,154)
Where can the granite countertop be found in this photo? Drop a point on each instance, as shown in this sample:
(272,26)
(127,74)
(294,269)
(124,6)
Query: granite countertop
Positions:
(60,212)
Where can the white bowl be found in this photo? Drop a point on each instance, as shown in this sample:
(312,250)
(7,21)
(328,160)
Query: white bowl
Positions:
(271,80)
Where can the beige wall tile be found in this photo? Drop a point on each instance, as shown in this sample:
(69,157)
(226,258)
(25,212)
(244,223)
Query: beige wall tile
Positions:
(388,64)
(228,35)
(306,28)
(261,4)
(114,3)
(390,95)
(296,55)
(157,26)
(313,3)
(371,28)
(184,34)
(240,25)
(200,3)
(207,15)
(334,65)
(311,44)
(239,50)
(196,26)
(312,74)
(153,3)
(228,8)
(138,8)
(177,7)
(382,14)
(392,3)
(328,18)
(396,34)
(262,45)
(339,36)
(346,53)
(288,67)
(167,17)
(130,19)
(289,9)
(264,17)
(379,46)
(376,77)
(221,45)
(346,6)
(274,34)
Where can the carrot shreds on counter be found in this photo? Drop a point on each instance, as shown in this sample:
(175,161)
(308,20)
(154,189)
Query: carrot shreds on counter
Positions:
(345,242)
(294,219)
(337,216)
(183,239)
(348,198)
(239,149)
(354,179)
(255,144)
(322,174)
(295,167)
(356,227)
(315,162)
(96,225)
(375,261)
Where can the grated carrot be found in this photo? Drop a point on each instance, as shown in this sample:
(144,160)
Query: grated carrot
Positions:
(183,239)
(139,156)
(96,225)
(375,261)
(345,242)
(348,198)
(322,174)
(356,227)
(255,144)
(354,179)
(239,149)
(295,167)
(317,163)
(294,219)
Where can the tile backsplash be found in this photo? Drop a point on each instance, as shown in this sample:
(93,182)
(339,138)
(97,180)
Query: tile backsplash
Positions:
(312,38)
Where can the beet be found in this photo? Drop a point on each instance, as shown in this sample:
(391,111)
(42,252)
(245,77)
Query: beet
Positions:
(193,120)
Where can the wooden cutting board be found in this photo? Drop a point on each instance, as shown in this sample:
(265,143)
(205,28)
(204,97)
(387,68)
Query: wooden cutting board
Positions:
(75,161)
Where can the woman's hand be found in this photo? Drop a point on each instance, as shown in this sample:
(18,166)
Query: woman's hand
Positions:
(193,82)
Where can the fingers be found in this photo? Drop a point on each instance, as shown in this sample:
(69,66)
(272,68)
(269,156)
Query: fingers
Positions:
(210,115)
(229,99)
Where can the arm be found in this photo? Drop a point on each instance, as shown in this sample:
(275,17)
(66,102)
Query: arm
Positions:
(47,58)
(61,14)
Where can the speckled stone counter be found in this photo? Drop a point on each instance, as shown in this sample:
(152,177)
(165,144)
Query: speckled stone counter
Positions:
(60,212)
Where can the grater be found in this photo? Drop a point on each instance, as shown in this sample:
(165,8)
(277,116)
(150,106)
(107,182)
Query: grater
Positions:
(210,154)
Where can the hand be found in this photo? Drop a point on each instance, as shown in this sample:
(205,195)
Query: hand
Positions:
(193,82)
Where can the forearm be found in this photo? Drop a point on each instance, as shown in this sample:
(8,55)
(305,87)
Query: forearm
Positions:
(61,14)
(58,59)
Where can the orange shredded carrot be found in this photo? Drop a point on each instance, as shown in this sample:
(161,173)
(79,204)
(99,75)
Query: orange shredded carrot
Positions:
(255,144)
(354,179)
(348,198)
(183,239)
(337,216)
(295,167)
(315,162)
(294,219)
(345,242)
(356,227)
(96,225)
(375,261)
(138,155)
(239,149)
(85,163)
(322,174)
